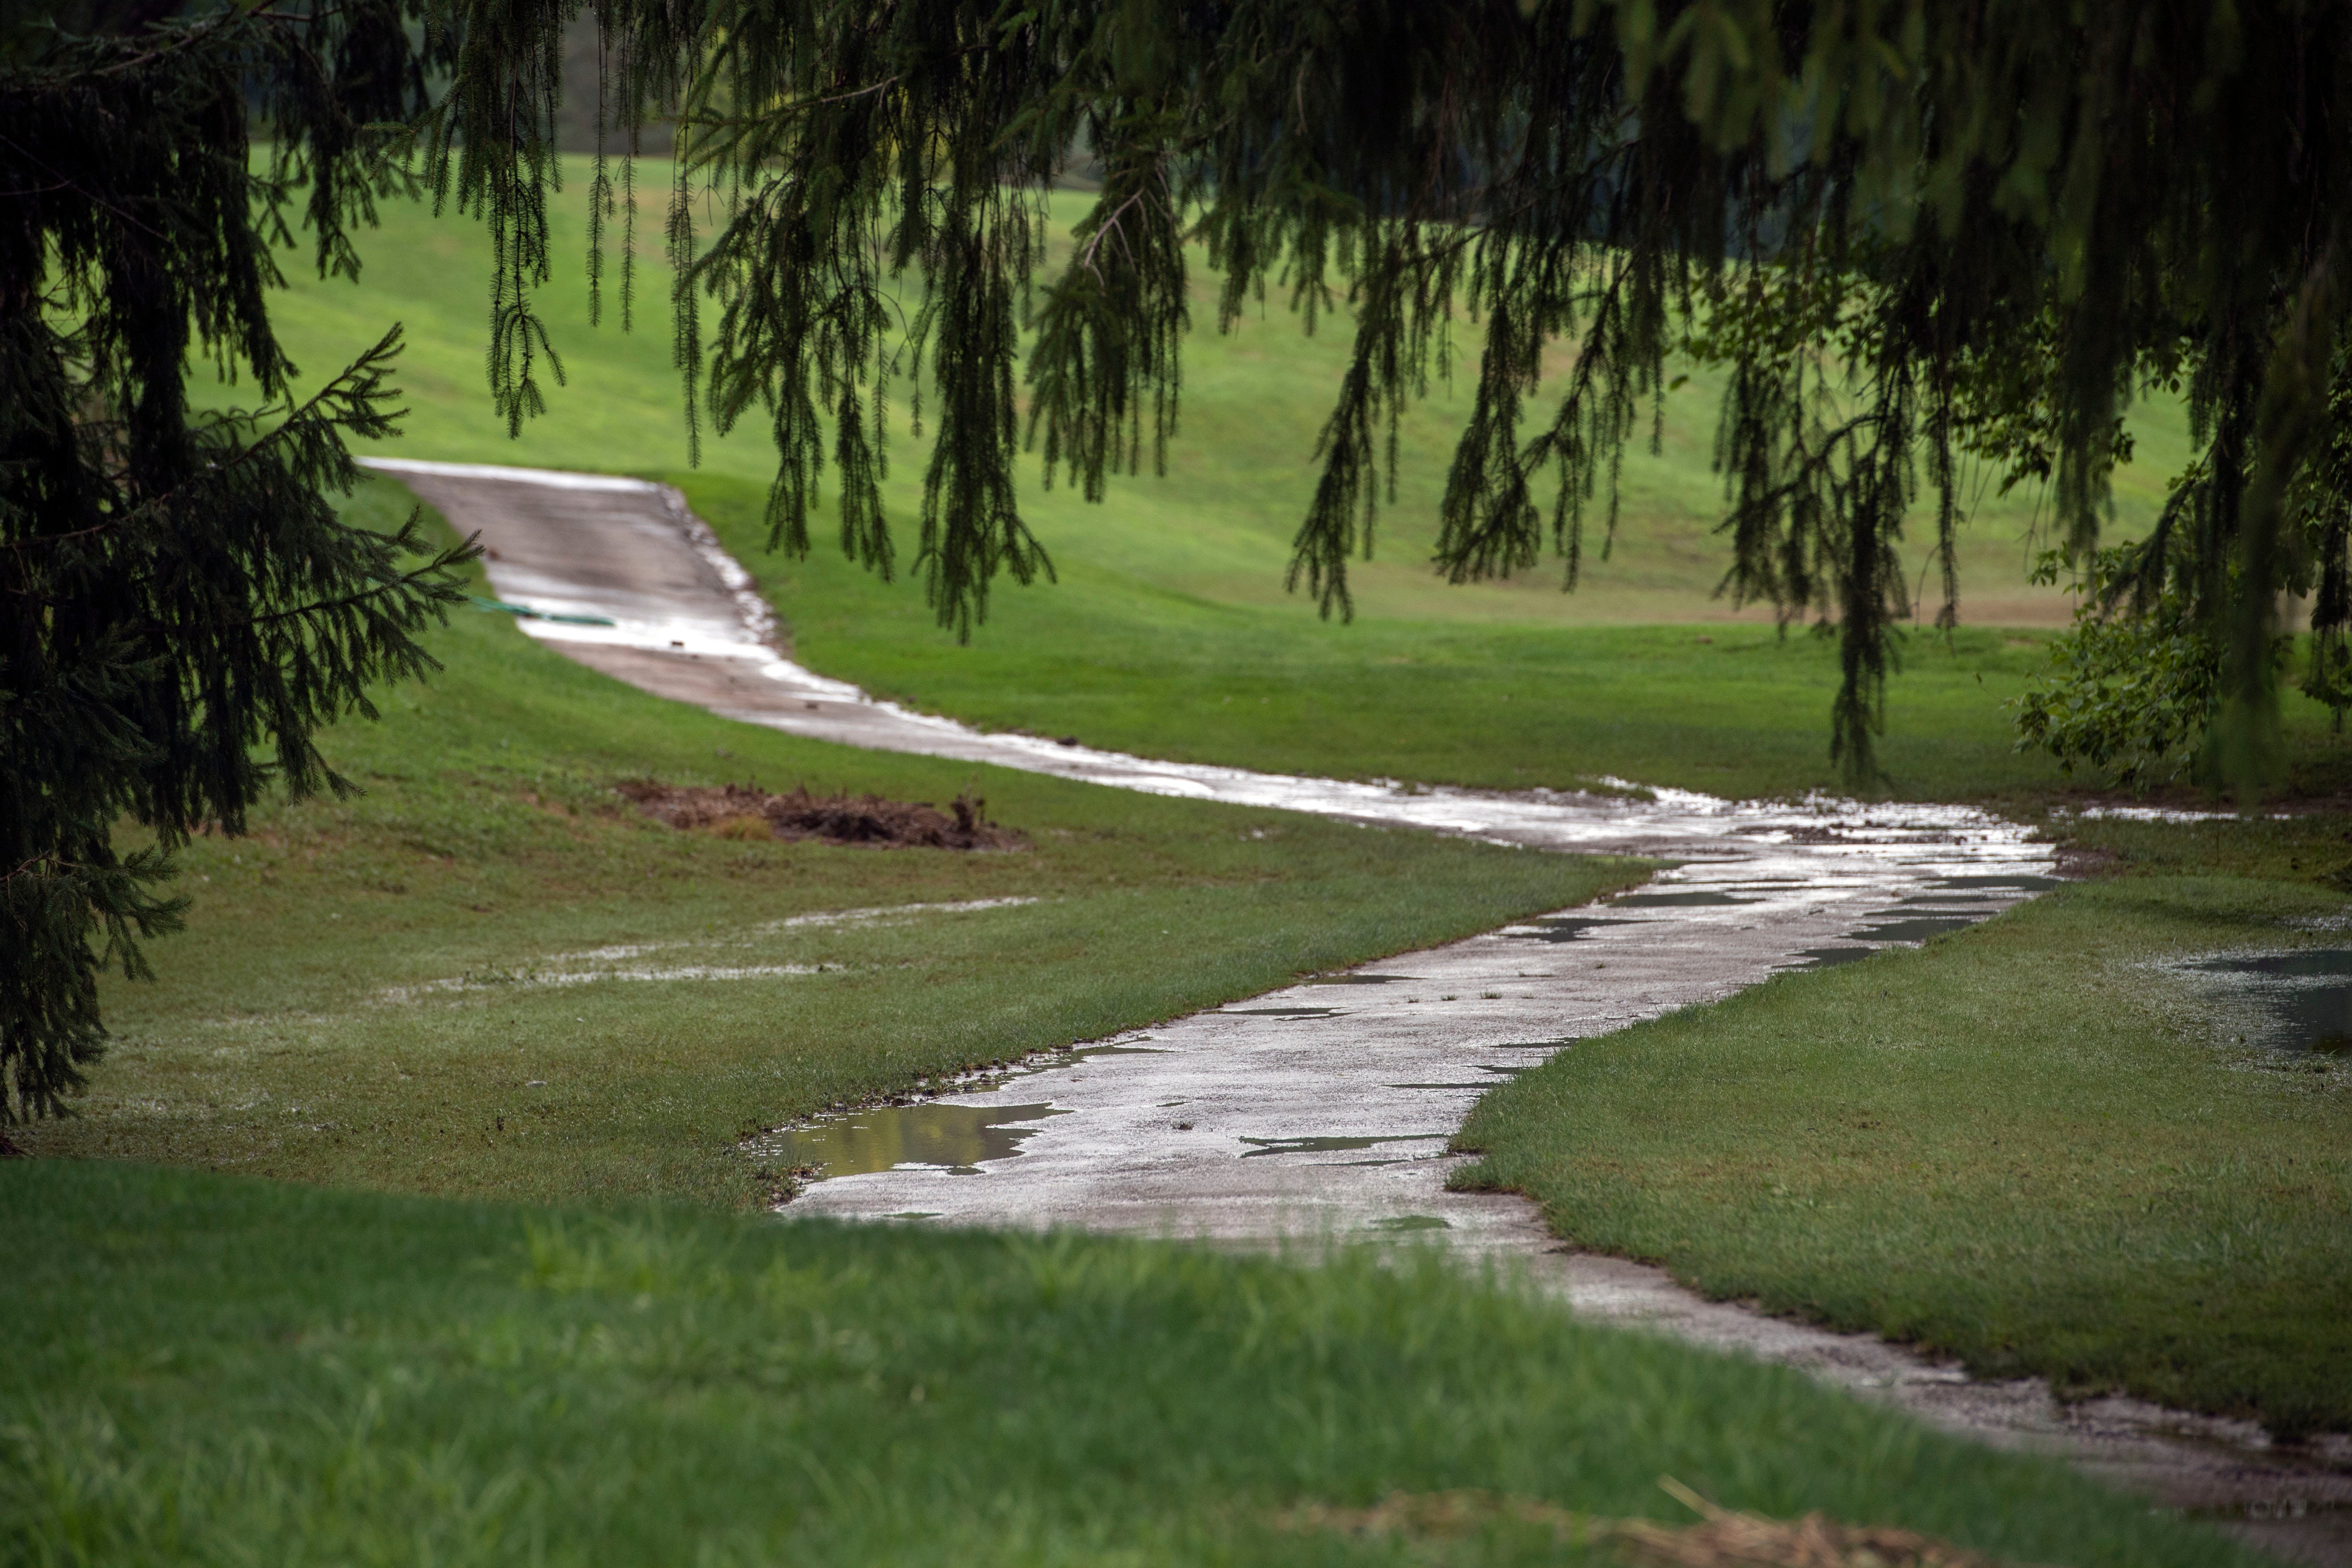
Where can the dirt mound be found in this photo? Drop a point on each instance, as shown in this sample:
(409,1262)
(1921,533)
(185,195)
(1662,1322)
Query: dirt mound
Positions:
(746,811)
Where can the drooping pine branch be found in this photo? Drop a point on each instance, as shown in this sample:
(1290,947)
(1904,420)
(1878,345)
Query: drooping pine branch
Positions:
(2023,213)
(181,606)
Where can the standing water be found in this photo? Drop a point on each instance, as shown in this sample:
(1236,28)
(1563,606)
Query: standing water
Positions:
(2297,1002)
(1310,1109)
(1329,1111)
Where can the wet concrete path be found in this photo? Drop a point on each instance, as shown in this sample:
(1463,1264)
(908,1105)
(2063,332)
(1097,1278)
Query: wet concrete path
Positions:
(1323,1111)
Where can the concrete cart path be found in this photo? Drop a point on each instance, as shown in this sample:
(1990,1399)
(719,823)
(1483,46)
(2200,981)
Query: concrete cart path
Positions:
(1323,1111)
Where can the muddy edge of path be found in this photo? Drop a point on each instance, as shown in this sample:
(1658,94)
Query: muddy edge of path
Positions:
(1323,1109)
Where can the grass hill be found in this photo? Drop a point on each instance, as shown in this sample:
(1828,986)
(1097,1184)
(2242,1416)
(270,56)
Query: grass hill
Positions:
(479,976)
(1216,529)
(1169,630)
(485,980)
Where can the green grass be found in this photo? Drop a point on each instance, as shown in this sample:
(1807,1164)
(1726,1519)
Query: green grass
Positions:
(217,1370)
(1169,630)
(2025,1144)
(211,1367)
(278,1039)
(1239,474)
(1732,709)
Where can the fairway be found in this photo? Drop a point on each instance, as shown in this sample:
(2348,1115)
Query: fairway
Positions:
(490,974)
(1175,786)
(1167,631)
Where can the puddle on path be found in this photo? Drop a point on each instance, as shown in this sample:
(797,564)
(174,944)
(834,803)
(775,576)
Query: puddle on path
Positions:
(1913,928)
(2296,1001)
(952,1138)
(1360,980)
(930,1134)
(1697,899)
(1915,919)
(1565,928)
(1277,1012)
(2022,883)
(1333,1145)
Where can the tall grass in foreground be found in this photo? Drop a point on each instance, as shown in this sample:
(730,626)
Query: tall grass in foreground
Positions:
(208,1370)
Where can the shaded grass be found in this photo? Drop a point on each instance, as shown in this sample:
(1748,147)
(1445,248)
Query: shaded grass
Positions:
(362,994)
(2313,846)
(2026,1144)
(209,1369)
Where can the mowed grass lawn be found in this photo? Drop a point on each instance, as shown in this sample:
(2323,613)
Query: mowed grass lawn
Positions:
(2028,1145)
(208,1369)
(1169,630)
(394,991)
(212,1366)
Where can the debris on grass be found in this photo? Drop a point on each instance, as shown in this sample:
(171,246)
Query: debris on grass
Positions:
(746,811)
(1722,1538)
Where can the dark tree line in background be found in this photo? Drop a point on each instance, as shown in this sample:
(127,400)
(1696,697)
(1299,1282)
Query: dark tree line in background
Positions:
(1914,237)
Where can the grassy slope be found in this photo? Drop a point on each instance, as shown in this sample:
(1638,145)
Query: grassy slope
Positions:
(209,1366)
(2025,1144)
(490,839)
(1731,710)
(208,1369)
(1169,630)
(1165,636)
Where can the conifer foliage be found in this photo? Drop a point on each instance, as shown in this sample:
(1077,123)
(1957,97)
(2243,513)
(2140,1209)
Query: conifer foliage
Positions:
(180,607)
(1916,235)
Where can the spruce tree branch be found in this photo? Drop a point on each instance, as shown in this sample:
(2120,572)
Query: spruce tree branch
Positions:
(355,375)
(68,182)
(427,577)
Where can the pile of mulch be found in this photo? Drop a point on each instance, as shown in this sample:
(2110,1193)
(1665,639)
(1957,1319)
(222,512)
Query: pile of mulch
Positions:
(746,811)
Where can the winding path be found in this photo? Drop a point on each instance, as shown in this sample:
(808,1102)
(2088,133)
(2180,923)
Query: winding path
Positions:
(1324,1110)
